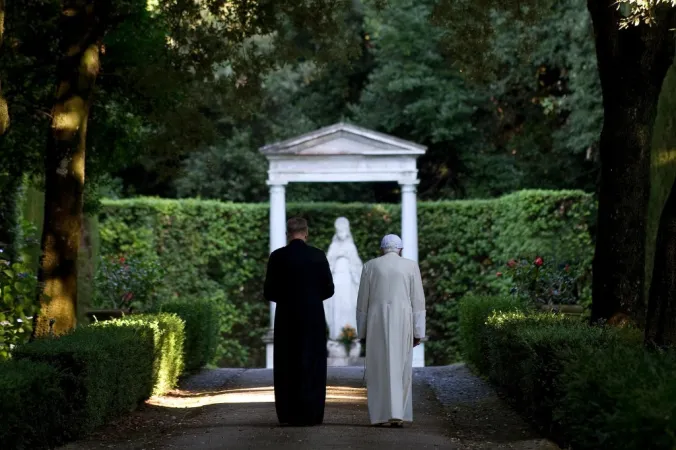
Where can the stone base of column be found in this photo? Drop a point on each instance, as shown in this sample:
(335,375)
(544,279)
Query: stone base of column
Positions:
(269,348)
(419,355)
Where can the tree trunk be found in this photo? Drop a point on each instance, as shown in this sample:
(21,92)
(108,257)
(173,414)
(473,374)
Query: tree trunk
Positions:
(632,66)
(4,111)
(661,317)
(81,34)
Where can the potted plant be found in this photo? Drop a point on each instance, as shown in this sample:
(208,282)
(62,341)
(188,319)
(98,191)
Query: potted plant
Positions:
(124,285)
(547,285)
(348,337)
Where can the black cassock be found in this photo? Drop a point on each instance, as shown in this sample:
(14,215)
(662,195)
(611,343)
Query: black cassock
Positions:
(298,280)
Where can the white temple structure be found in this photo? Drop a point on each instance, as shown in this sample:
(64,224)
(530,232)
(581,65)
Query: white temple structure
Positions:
(343,153)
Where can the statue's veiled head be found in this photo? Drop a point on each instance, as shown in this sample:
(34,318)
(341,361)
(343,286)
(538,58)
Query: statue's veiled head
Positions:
(343,229)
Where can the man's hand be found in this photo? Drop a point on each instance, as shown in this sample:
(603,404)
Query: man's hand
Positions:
(416,342)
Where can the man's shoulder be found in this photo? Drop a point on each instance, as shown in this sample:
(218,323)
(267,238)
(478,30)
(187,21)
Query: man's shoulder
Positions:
(316,252)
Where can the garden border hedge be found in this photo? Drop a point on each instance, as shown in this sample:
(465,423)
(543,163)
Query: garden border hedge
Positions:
(587,387)
(215,250)
(88,377)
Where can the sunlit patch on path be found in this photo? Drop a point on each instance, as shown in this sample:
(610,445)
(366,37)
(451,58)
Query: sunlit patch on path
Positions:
(234,409)
(186,399)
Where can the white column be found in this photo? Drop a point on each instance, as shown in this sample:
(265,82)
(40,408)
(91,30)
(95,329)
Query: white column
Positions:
(409,236)
(409,221)
(277,240)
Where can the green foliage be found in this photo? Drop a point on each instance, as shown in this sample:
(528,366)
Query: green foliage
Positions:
(619,397)
(534,125)
(219,250)
(472,317)
(543,281)
(203,321)
(105,371)
(590,387)
(169,341)
(33,405)
(122,282)
(55,390)
(17,304)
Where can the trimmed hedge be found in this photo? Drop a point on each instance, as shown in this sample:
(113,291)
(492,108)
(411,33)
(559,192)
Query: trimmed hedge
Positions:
(588,387)
(201,319)
(105,371)
(473,314)
(32,405)
(168,340)
(59,389)
(220,249)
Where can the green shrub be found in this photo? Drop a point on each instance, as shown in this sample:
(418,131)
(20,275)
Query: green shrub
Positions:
(215,249)
(589,387)
(168,339)
(474,312)
(619,397)
(33,405)
(105,371)
(201,319)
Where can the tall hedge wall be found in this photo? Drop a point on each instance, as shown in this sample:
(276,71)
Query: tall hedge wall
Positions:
(219,250)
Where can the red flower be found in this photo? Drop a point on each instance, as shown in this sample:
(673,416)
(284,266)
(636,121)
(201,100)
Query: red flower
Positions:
(538,261)
(122,259)
(567,268)
(499,274)
(511,263)
(128,296)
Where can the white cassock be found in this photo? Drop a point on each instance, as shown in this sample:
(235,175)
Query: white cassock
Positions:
(390,313)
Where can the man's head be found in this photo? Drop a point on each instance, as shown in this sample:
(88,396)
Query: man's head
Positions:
(391,244)
(296,228)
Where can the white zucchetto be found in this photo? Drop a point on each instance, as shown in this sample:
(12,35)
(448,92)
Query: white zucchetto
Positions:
(391,242)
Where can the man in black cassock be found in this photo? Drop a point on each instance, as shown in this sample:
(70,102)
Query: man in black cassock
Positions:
(298,280)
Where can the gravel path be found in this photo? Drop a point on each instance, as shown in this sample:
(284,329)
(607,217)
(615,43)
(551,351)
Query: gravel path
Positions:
(234,409)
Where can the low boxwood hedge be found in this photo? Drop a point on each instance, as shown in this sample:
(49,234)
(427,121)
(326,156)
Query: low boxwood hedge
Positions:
(168,340)
(58,389)
(588,387)
(202,328)
(105,371)
(33,407)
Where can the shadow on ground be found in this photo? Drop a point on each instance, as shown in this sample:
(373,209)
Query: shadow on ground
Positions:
(234,409)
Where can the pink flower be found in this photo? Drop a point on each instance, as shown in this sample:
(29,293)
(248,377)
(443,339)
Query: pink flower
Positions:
(511,263)
(499,274)
(538,261)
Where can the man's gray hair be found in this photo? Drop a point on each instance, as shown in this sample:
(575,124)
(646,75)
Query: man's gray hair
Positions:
(391,243)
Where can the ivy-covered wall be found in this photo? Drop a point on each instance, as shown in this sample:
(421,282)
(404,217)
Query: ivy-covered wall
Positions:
(219,250)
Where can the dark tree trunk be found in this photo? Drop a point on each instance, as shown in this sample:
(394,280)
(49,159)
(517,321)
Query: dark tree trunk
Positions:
(661,317)
(81,33)
(4,111)
(632,66)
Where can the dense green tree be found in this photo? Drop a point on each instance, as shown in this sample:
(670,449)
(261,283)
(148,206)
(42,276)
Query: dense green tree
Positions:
(4,112)
(203,35)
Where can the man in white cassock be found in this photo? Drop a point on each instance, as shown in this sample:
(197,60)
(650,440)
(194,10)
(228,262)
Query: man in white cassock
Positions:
(391,318)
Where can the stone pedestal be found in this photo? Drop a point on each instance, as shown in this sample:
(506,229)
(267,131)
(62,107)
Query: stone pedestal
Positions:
(338,357)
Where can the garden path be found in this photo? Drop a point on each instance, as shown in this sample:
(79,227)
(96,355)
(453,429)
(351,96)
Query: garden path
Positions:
(234,409)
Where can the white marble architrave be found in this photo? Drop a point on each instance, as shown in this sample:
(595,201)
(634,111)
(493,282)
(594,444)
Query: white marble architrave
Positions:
(343,153)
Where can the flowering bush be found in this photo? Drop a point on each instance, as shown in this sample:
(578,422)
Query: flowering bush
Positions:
(347,337)
(127,283)
(17,304)
(543,282)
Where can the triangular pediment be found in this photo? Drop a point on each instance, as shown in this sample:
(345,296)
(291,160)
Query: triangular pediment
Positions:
(343,139)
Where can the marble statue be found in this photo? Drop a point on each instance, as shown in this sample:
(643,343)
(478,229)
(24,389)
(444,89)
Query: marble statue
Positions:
(346,269)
